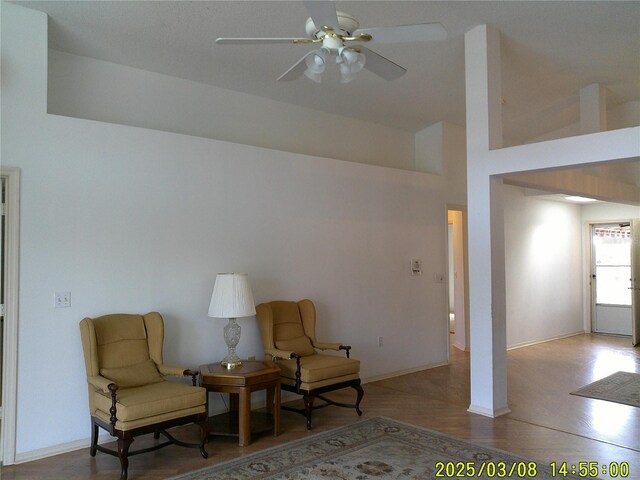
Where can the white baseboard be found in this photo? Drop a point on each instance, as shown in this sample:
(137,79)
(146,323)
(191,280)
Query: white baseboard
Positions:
(543,340)
(399,373)
(488,412)
(461,347)
(60,448)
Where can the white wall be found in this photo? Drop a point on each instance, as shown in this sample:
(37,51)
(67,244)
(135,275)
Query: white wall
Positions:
(132,220)
(618,116)
(606,212)
(429,149)
(543,268)
(98,90)
(624,115)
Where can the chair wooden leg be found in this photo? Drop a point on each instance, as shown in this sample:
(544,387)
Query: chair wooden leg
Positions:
(308,409)
(94,438)
(204,436)
(123,453)
(156,434)
(359,398)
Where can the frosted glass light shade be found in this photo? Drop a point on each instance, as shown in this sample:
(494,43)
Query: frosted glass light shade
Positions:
(232,297)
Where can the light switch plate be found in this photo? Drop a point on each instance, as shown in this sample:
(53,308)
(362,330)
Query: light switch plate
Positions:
(416,267)
(62,299)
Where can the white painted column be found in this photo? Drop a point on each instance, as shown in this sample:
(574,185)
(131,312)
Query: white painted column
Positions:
(483,80)
(486,229)
(593,109)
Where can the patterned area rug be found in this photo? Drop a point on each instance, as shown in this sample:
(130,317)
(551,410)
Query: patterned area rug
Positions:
(621,387)
(378,448)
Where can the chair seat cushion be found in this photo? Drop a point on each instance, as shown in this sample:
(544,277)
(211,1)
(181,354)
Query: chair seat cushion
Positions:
(151,400)
(316,368)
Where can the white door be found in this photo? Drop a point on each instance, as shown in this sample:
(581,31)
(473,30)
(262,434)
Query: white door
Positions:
(611,278)
(635,280)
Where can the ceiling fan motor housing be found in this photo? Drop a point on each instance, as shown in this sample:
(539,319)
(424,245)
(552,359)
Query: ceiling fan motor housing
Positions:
(346,22)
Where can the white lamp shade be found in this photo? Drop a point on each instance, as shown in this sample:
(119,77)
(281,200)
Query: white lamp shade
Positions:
(232,297)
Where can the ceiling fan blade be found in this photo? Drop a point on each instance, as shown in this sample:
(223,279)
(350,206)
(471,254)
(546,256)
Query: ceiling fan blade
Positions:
(405,33)
(380,65)
(296,70)
(323,13)
(254,41)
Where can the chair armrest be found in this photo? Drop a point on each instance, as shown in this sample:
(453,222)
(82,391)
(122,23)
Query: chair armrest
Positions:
(275,353)
(327,346)
(101,383)
(283,354)
(347,348)
(332,346)
(107,387)
(297,356)
(178,372)
(169,370)
(112,387)
(193,374)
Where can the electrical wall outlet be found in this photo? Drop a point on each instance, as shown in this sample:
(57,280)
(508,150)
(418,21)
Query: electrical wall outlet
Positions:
(62,299)
(379,341)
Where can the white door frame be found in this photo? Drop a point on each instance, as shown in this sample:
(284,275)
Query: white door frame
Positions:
(613,309)
(10,350)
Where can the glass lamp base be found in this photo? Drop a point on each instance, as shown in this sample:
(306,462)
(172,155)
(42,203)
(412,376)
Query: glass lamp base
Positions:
(231,337)
(231,362)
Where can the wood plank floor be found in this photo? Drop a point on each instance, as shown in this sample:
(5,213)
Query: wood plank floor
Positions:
(546,423)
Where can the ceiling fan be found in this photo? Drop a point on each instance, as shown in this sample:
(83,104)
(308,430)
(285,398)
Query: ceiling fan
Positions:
(339,35)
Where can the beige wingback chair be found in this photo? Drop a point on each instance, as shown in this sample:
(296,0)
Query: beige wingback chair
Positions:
(128,394)
(288,332)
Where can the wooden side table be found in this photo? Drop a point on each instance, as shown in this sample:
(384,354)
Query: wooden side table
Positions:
(251,376)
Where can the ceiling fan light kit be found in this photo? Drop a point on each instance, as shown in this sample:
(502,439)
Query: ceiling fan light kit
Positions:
(334,30)
(316,63)
(350,62)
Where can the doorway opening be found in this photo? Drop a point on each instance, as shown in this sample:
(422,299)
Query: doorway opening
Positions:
(9,282)
(458,311)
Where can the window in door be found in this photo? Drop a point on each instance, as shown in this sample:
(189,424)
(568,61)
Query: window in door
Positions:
(611,274)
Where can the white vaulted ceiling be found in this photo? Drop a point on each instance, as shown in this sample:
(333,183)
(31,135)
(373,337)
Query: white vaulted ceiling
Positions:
(550,50)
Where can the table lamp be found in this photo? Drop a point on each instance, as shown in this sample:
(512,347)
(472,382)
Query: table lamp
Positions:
(231,298)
